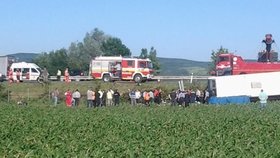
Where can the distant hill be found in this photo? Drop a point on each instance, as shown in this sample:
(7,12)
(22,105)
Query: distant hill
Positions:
(169,66)
(27,57)
(181,67)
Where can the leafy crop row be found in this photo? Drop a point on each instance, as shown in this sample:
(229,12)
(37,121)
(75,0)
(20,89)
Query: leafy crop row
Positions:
(125,131)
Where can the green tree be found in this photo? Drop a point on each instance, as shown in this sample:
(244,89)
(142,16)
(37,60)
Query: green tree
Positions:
(144,53)
(53,60)
(153,58)
(114,47)
(92,43)
(214,57)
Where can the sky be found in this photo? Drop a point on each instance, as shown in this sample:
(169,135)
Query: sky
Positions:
(187,29)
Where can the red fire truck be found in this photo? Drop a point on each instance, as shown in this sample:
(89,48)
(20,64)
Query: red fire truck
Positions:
(114,68)
(230,64)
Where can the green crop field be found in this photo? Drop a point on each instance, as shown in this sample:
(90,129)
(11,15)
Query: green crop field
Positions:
(39,130)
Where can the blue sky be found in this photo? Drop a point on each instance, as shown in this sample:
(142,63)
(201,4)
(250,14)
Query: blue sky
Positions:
(188,29)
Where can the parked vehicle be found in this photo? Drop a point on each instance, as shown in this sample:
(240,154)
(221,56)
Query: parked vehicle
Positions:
(28,71)
(248,85)
(121,68)
(231,64)
(3,68)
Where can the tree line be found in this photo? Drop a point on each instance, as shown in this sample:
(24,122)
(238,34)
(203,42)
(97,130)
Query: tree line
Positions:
(79,54)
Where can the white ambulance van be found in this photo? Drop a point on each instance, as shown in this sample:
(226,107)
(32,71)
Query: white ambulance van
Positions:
(27,71)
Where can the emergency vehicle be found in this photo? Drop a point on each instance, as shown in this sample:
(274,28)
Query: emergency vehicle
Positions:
(26,71)
(112,68)
(231,64)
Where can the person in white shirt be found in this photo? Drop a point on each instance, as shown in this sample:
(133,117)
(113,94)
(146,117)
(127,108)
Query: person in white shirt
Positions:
(76,96)
(109,97)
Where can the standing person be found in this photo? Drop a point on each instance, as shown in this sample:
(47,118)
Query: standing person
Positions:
(206,96)
(45,75)
(197,96)
(100,92)
(118,69)
(156,96)
(152,98)
(147,98)
(10,73)
(132,97)
(68,98)
(89,98)
(187,98)
(66,75)
(173,97)
(263,99)
(97,98)
(103,98)
(93,99)
(58,75)
(181,97)
(76,96)
(116,97)
(55,95)
(138,96)
(18,75)
(109,97)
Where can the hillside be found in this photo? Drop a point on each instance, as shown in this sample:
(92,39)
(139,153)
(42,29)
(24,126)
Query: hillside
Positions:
(181,67)
(169,66)
(27,57)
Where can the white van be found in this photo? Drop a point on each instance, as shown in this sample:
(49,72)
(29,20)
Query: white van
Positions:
(28,71)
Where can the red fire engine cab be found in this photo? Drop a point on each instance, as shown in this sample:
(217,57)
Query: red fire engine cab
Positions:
(230,64)
(112,68)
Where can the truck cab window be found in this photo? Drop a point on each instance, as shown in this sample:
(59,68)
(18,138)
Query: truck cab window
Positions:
(223,58)
(142,64)
(130,63)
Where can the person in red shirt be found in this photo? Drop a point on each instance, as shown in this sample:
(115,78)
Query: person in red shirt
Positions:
(10,73)
(66,76)
(18,75)
(68,98)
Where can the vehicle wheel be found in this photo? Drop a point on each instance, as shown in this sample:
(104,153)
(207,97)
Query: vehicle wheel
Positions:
(106,78)
(242,73)
(137,78)
(39,80)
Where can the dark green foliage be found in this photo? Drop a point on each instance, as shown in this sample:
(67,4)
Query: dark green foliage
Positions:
(53,60)
(152,55)
(79,54)
(214,56)
(114,47)
(144,53)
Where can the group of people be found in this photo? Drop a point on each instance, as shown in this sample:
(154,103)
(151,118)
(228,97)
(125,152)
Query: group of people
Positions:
(95,98)
(185,97)
(147,97)
(100,98)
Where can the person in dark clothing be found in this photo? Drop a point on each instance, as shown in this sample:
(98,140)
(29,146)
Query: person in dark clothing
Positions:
(173,97)
(97,98)
(103,99)
(268,42)
(192,96)
(187,99)
(116,97)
